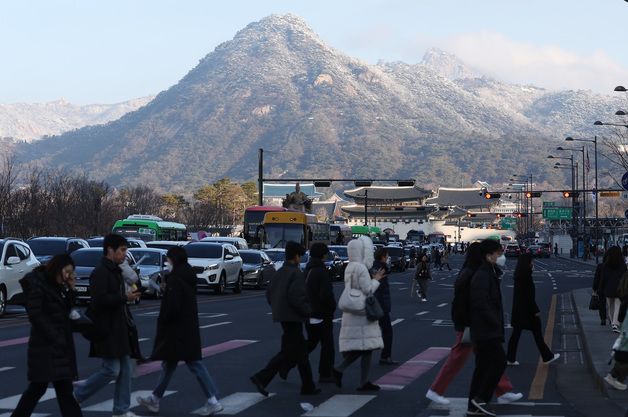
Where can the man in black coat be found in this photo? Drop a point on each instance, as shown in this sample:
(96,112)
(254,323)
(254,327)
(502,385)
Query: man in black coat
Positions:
(178,336)
(115,343)
(487,327)
(320,293)
(383,297)
(290,306)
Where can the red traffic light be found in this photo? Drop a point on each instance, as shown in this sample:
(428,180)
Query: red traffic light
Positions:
(533,194)
(491,196)
(569,194)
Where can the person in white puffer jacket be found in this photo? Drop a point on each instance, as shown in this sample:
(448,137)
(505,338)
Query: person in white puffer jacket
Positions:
(359,337)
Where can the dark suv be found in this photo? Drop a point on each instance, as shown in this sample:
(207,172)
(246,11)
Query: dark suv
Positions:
(397,258)
(45,248)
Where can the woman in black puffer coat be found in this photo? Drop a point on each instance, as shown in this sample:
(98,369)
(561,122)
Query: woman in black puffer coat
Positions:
(51,353)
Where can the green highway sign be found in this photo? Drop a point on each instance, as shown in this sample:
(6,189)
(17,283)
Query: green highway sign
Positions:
(508,222)
(549,204)
(557,213)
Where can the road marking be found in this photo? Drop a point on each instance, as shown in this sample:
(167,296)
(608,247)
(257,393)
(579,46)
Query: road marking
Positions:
(143,339)
(340,406)
(207,326)
(10,403)
(422,313)
(537,388)
(212,315)
(409,371)
(151,367)
(337,320)
(6,368)
(238,402)
(458,407)
(396,322)
(438,322)
(108,405)
(13,342)
(442,305)
(403,288)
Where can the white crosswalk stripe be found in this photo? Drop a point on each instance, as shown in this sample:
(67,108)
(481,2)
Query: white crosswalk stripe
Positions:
(6,368)
(458,408)
(9,403)
(239,401)
(107,406)
(222,323)
(340,406)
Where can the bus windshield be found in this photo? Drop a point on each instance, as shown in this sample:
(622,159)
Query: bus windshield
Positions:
(133,231)
(278,234)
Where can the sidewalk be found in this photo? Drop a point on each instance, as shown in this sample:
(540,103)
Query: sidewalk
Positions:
(597,341)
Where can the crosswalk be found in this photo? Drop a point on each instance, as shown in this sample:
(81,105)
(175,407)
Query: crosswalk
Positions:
(458,408)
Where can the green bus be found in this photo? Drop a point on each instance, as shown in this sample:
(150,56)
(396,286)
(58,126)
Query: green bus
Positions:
(149,228)
(371,231)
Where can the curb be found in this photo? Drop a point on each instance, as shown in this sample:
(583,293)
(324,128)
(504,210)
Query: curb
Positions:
(599,381)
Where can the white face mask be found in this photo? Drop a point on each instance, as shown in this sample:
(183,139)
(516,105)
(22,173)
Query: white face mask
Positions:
(168,267)
(501,260)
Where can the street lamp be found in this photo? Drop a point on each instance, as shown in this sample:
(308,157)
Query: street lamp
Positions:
(584,187)
(574,229)
(597,218)
(527,204)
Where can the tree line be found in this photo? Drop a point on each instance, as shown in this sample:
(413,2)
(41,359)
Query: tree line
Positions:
(49,202)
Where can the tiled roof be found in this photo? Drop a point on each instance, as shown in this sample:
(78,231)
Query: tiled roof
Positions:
(465,198)
(378,194)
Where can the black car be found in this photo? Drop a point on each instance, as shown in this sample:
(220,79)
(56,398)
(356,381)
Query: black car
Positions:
(258,268)
(335,266)
(343,254)
(45,248)
(397,258)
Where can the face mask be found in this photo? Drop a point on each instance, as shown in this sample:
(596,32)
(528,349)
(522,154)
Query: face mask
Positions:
(168,267)
(501,260)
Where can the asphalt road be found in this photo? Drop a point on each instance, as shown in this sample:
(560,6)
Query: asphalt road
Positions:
(239,337)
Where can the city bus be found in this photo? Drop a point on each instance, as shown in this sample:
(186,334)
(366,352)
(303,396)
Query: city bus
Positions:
(371,231)
(253,220)
(149,228)
(282,227)
(436,237)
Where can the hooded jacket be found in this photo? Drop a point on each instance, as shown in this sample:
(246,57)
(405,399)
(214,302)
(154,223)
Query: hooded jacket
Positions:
(357,333)
(485,299)
(320,290)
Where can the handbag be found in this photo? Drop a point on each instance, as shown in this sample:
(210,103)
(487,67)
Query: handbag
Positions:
(352,300)
(594,303)
(373,309)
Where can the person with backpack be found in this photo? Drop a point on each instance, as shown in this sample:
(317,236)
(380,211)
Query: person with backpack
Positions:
(423,275)
(617,376)
(462,349)
(526,313)
(178,337)
(51,353)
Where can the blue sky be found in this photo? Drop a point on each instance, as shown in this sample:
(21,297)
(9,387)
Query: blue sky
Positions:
(110,51)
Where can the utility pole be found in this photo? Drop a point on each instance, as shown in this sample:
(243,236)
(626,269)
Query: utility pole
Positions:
(366,204)
(260,177)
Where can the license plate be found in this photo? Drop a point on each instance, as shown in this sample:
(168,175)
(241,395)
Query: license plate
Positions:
(81,289)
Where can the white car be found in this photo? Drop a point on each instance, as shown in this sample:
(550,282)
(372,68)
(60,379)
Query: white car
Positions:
(238,242)
(278,256)
(217,266)
(16,261)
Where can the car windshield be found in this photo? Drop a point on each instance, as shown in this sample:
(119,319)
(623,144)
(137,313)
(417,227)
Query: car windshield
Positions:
(95,243)
(276,255)
(204,250)
(251,258)
(160,245)
(90,258)
(341,251)
(145,257)
(43,247)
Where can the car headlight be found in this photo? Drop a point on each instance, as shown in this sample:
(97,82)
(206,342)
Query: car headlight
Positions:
(212,267)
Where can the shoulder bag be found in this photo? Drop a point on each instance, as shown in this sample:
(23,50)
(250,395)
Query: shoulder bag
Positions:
(373,309)
(352,300)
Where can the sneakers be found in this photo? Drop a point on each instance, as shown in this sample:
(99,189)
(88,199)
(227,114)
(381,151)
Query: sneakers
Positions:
(615,328)
(151,403)
(556,356)
(615,383)
(210,409)
(369,386)
(509,397)
(260,387)
(479,406)
(515,363)
(436,398)
(424,299)
(127,414)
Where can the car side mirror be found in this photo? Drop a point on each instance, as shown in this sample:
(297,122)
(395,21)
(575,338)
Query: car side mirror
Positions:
(13,260)
(228,257)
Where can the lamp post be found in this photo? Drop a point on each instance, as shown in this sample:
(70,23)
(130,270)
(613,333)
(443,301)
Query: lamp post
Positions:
(584,186)
(573,197)
(597,218)
(366,204)
(529,208)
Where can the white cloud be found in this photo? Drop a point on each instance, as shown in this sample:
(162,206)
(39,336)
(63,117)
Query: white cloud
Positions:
(546,66)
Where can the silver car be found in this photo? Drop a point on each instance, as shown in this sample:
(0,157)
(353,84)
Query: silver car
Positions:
(151,264)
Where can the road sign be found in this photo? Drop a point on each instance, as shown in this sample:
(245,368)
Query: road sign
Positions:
(624,181)
(549,204)
(609,193)
(557,213)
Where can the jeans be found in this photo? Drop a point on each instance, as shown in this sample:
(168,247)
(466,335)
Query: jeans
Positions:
(490,363)
(323,333)
(613,304)
(196,367)
(545,351)
(119,370)
(455,362)
(387,336)
(293,350)
(67,404)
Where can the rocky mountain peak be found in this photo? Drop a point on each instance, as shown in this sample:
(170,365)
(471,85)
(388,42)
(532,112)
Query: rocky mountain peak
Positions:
(448,65)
